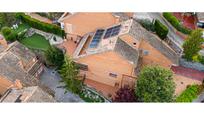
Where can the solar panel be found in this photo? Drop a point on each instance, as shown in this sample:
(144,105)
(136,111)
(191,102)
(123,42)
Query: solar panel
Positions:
(113,31)
(96,39)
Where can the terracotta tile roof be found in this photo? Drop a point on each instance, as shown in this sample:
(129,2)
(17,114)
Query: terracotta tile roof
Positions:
(188,72)
(11,64)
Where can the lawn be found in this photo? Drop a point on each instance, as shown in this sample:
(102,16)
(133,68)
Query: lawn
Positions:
(36,41)
(21,28)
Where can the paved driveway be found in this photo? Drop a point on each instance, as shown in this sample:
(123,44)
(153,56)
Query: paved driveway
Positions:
(52,80)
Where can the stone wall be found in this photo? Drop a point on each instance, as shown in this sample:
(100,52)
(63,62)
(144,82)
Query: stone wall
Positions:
(193,65)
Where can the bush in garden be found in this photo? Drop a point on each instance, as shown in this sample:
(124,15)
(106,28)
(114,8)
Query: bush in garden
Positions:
(175,22)
(161,30)
(54,56)
(189,94)
(9,34)
(125,94)
(51,28)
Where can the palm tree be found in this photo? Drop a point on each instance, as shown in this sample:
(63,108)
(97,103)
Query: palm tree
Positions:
(69,74)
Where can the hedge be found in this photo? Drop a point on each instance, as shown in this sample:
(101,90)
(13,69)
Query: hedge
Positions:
(161,30)
(50,28)
(176,23)
(189,94)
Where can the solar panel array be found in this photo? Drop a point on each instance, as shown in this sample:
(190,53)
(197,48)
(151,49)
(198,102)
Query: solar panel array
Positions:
(113,31)
(96,39)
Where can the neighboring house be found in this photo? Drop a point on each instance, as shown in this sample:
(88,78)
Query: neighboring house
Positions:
(113,56)
(26,94)
(18,63)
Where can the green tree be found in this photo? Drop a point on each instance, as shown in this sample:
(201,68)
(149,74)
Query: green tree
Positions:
(155,84)
(9,34)
(69,74)
(54,56)
(193,44)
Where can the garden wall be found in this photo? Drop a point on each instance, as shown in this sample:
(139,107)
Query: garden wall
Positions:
(193,65)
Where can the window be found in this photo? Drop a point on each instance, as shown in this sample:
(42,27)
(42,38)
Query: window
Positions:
(113,75)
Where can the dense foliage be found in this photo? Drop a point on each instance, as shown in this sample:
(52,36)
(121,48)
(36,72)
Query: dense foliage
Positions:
(175,22)
(161,30)
(9,34)
(155,84)
(69,74)
(193,44)
(51,28)
(7,19)
(54,56)
(147,24)
(189,94)
(125,94)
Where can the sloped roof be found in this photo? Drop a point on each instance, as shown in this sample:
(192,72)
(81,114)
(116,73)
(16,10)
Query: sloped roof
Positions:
(10,66)
(125,50)
(28,94)
(139,33)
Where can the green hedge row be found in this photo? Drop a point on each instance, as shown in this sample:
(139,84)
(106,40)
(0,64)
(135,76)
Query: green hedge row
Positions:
(189,94)
(161,30)
(40,25)
(175,22)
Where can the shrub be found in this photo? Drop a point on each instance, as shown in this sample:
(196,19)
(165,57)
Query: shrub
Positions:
(189,94)
(54,56)
(125,94)
(9,34)
(175,22)
(40,25)
(161,30)
(147,24)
